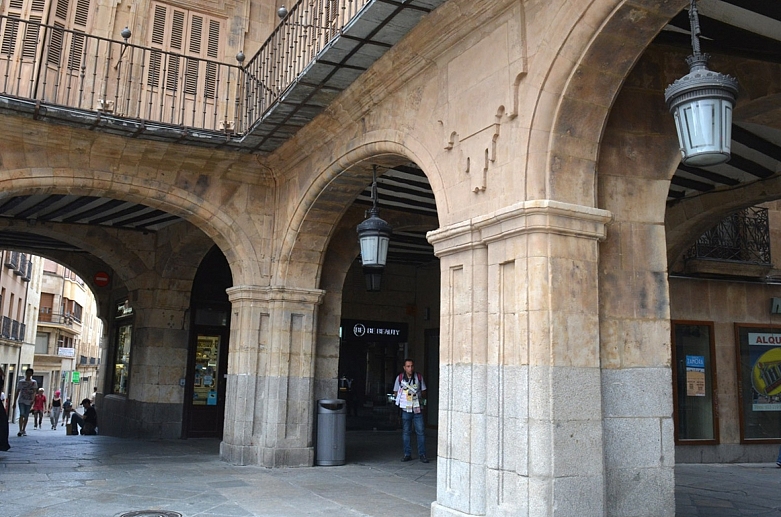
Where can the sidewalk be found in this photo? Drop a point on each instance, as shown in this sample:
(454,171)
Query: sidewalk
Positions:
(48,474)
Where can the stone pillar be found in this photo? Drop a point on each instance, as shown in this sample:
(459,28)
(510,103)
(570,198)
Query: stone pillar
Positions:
(636,354)
(248,340)
(269,415)
(520,409)
(158,359)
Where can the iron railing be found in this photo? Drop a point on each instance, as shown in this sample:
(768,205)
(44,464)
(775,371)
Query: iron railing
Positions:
(308,27)
(58,66)
(12,329)
(46,316)
(743,236)
(70,68)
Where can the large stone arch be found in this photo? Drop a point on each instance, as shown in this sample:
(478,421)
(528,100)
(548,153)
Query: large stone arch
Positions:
(325,200)
(589,81)
(227,195)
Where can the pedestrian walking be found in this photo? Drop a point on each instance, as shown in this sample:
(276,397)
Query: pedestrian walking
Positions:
(24,396)
(67,408)
(55,409)
(39,406)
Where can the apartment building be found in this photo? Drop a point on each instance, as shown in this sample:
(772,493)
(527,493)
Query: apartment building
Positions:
(67,340)
(20,278)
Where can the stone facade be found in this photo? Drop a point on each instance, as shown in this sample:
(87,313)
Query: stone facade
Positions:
(542,130)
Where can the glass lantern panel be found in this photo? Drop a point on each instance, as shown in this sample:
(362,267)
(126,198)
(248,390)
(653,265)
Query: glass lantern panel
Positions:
(382,256)
(726,118)
(701,118)
(369,247)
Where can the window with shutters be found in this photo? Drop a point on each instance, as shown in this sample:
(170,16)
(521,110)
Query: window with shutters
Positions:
(32,10)
(73,15)
(191,38)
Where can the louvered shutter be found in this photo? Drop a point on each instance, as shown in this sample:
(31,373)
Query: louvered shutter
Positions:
(32,30)
(212,52)
(176,45)
(80,21)
(193,48)
(57,38)
(158,44)
(10,28)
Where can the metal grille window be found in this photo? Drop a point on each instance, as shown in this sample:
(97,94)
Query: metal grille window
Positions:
(743,236)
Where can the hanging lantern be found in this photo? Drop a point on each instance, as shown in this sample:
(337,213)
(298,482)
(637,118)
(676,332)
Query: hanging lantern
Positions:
(374,237)
(701,103)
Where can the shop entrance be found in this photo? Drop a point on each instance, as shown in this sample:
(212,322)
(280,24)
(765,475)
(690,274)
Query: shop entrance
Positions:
(207,365)
(371,354)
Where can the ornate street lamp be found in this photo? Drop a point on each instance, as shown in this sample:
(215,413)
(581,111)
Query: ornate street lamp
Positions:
(702,102)
(374,236)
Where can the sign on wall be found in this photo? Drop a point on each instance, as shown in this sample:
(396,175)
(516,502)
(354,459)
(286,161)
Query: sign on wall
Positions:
(374,331)
(759,373)
(695,376)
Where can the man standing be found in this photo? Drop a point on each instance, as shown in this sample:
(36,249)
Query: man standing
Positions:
(410,393)
(25,395)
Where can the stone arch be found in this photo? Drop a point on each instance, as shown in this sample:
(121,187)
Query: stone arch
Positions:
(688,220)
(203,214)
(326,199)
(588,86)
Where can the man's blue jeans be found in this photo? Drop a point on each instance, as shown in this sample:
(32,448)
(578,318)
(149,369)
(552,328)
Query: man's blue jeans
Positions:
(408,419)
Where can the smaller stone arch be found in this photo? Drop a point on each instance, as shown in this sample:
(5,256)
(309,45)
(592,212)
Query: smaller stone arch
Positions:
(319,210)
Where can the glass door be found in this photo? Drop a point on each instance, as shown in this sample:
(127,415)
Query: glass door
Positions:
(206,384)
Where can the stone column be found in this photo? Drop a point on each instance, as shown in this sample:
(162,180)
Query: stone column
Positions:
(158,359)
(636,351)
(520,410)
(248,340)
(270,410)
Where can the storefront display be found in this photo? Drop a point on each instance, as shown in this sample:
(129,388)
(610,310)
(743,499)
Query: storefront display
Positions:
(759,376)
(206,370)
(694,386)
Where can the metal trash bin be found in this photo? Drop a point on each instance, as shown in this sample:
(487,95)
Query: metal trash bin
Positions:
(331,428)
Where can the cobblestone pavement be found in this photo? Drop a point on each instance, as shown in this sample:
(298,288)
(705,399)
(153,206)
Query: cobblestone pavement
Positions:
(50,474)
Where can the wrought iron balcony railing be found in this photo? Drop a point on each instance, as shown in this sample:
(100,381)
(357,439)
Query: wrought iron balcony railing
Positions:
(12,329)
(740,237)
(68,68)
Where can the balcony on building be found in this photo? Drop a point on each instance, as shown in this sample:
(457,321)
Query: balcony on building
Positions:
(738,247)
(63,75)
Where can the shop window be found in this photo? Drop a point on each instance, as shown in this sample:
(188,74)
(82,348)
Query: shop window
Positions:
(124,340)
(694,385)
(759,379)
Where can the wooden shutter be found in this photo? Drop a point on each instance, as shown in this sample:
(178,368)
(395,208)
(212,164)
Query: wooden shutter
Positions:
(158,42)
(57,39)
(212,52)
(177,45)
(193,48)
(10,27)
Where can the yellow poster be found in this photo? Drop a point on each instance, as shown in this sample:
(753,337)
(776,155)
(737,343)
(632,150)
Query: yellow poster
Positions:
(695,382)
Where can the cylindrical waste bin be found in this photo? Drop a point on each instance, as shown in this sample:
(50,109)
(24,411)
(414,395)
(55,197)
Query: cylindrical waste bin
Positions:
(331,427)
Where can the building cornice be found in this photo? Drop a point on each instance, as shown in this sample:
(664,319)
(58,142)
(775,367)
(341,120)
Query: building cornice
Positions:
(536,216)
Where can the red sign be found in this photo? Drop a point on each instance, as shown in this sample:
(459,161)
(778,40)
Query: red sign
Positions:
(101,279)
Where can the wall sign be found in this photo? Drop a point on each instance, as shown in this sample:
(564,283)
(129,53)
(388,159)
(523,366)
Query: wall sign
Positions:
(695,376)
(374,331)
(759,374)
(101,279)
